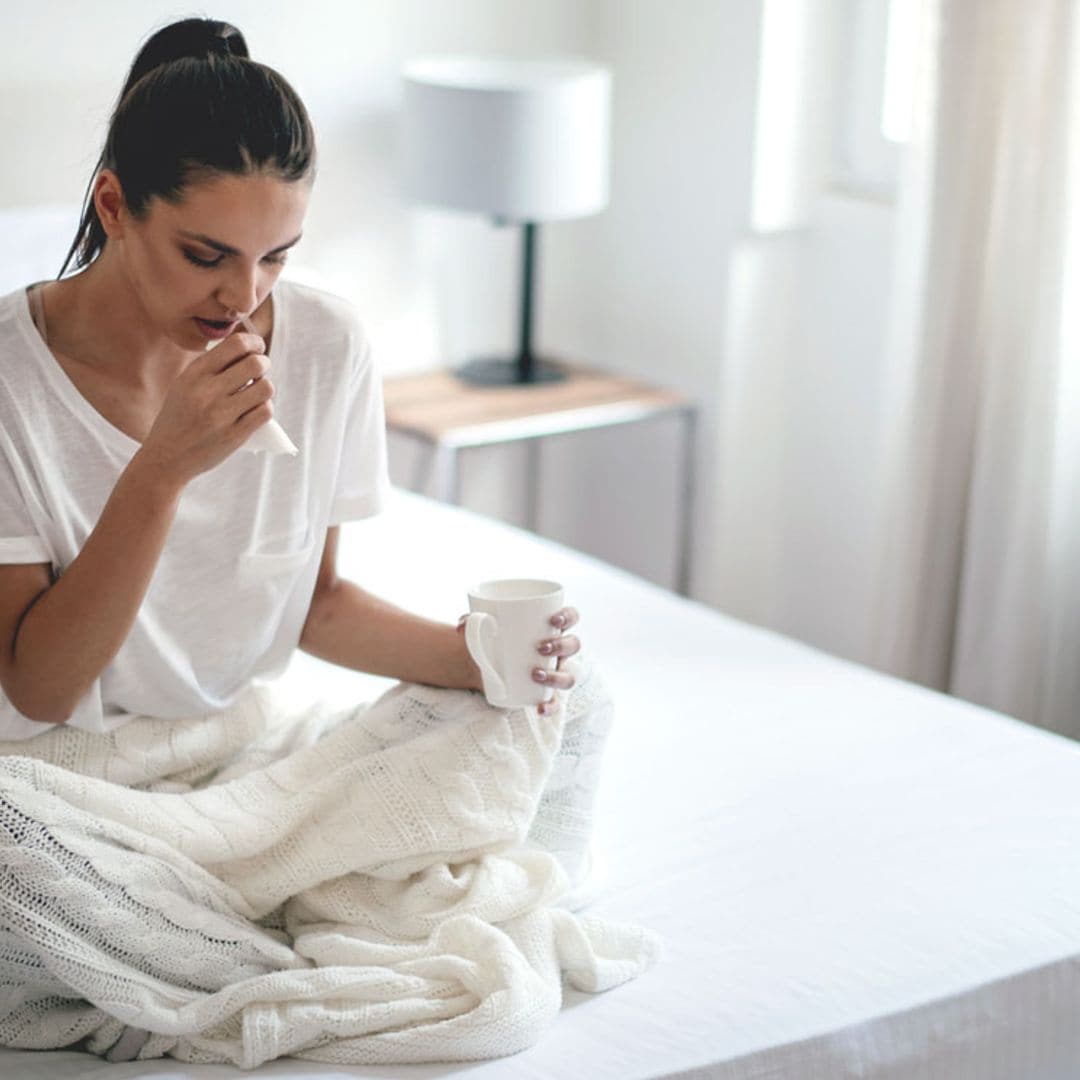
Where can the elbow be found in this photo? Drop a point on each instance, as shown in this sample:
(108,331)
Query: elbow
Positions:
(41,712)
(56,718)
(32,707)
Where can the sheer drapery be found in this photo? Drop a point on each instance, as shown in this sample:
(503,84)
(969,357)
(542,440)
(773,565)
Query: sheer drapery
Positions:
(980,570)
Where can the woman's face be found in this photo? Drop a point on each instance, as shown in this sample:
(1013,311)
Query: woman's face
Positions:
(198,266)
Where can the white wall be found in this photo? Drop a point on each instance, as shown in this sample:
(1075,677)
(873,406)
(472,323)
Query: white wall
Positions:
(801,410)
(642,288)
(803,425)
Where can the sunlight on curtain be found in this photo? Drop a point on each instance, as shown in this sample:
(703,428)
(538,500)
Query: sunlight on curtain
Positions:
(1059,699)
(981,574)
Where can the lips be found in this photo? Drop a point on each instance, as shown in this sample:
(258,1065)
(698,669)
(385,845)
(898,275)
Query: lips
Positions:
(215,329)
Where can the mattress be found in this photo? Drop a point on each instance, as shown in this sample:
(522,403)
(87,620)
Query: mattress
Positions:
(853,876)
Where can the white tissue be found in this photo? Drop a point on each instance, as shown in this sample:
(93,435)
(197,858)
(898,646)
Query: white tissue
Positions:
(271,437)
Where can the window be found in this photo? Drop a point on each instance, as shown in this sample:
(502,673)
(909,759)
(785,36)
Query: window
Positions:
(834,103)
(877,52)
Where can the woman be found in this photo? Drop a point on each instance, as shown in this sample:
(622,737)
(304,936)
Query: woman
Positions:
(202,190)
(151,567)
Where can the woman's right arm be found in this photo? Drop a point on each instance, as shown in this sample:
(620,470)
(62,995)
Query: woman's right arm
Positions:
(64,635)
(56,639)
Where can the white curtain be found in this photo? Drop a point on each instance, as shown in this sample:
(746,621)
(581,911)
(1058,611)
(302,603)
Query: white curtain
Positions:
(980,503)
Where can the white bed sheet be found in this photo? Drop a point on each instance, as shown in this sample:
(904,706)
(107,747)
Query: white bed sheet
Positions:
(853,876)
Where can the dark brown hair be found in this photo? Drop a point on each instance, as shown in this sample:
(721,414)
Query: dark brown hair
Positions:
(194,105)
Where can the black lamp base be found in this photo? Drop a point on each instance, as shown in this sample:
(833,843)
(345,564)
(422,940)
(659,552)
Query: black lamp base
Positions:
(499,371)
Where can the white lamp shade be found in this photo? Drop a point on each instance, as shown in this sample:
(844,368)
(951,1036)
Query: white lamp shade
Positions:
(526,140)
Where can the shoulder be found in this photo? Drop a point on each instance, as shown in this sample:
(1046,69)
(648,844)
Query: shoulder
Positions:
(322,319)
(25,403)
(11,305)
(15,328)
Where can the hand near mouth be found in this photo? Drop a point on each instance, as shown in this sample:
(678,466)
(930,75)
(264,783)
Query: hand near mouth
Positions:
(213,407)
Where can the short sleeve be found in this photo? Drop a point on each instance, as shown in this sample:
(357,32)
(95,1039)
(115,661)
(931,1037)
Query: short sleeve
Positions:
(20,543)
(19,540)
(362,480)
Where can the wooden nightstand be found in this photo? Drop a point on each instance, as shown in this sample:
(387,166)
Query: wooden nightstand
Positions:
(448,415)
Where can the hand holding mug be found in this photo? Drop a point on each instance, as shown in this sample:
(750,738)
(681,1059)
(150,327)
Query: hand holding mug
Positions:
(515,635)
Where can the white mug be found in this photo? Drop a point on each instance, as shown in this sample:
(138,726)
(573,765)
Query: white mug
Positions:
(508,620)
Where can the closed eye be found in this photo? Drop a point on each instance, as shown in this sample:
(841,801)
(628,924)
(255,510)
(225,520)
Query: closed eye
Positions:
(206,263)
(273,260)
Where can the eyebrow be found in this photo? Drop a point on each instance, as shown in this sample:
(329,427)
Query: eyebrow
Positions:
(226,249)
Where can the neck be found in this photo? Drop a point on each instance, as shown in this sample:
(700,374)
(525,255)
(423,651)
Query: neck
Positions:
(97,318)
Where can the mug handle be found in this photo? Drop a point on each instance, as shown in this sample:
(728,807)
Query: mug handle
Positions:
(481,628)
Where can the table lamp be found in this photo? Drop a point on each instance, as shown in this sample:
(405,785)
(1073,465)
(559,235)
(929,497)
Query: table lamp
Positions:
(522,141)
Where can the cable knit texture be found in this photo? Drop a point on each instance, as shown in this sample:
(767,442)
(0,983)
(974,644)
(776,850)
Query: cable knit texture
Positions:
(384,884)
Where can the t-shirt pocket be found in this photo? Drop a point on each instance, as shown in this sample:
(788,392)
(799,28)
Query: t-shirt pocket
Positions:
(267,566)
(266,581)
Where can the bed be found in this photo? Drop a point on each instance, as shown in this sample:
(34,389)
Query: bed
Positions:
(852,876)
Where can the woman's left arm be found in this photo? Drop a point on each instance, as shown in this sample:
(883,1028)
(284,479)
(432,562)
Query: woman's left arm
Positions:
(348,626)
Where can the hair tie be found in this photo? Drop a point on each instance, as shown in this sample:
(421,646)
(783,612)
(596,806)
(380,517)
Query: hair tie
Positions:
(227,43)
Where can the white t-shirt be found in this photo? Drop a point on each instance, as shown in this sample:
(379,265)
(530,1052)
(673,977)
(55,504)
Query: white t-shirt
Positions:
(231,591)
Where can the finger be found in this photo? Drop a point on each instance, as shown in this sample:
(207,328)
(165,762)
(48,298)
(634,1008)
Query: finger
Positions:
(246,372)
(259,393)
(567,645)
(545,708)
(256,416)
(559,680)
(246,385)
(232,349)
(565,618)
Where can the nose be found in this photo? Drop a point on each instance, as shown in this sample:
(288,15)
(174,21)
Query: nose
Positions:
(239,293)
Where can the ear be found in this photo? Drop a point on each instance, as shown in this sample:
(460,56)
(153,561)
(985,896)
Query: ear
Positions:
(109,203)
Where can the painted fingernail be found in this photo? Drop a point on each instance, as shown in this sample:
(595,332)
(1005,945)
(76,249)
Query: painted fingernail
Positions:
(558,620)
(547,648)
(540,676)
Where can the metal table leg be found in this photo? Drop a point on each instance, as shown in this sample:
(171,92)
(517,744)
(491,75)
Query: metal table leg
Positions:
(446,473)
(686,543)
(532,490)
(423,467)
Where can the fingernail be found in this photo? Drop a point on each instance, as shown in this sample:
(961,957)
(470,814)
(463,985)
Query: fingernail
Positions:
(540,676)
(547,648)
(558,620)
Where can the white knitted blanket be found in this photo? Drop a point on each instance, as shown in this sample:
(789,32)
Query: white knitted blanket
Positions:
(368,886)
